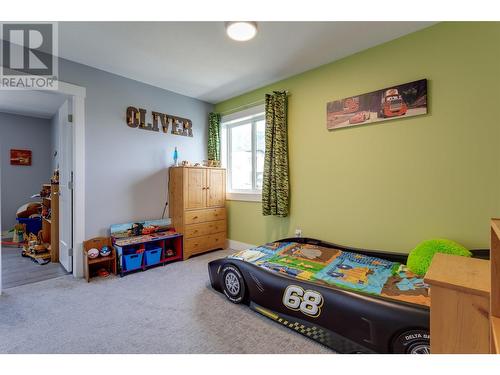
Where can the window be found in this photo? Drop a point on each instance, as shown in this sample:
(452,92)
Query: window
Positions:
(243,146)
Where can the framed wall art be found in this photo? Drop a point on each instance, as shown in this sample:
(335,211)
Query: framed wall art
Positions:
(405,100)
(20,157)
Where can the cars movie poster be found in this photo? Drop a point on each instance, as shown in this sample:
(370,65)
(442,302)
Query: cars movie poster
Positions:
(20,157)
(406,100)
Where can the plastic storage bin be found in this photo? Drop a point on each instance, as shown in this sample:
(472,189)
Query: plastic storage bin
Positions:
(132,262)
(152,256)
(33,225)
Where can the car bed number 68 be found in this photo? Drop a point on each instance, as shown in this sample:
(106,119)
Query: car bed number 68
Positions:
(308,302)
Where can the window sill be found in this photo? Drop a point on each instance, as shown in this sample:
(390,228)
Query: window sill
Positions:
(245,197)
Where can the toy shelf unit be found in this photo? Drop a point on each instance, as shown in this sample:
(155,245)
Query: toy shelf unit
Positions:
(92,265)
(143,245)
(50,219)
(44,228)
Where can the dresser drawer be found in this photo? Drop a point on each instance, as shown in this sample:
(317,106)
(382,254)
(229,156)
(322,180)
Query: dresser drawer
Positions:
(215,214)
(201,216)
(195,245)
(201,244)
(217,240)
(193,217)
(203,229)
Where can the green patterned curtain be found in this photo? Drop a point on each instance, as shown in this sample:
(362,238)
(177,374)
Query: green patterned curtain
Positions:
(276,186)
(213,136)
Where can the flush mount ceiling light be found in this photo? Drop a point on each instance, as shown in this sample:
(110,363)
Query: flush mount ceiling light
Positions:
(241,30)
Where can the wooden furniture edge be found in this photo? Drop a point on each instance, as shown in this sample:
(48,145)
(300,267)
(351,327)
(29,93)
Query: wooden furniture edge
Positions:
(430,279)
(495,334)
(495,226)
(197,166)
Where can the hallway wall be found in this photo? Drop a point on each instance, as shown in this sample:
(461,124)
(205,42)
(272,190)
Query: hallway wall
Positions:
(19,183)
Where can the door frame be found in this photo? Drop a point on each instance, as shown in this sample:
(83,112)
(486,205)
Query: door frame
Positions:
(78,94)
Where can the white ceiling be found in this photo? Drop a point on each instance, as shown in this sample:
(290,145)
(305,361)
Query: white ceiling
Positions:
(30,103)
(198,59)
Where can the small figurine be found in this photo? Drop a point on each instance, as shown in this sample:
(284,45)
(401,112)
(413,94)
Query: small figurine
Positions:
(55,177)
(19,233)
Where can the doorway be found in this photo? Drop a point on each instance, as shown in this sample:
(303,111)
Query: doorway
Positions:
(65,144)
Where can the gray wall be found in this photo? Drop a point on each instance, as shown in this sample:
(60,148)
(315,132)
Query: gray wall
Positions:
(18,182)
(127,169)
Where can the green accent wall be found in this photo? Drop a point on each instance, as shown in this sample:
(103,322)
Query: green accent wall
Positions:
(393,184)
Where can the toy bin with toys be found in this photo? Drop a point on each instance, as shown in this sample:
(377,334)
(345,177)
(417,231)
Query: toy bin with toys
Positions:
(132,258)
(143,245)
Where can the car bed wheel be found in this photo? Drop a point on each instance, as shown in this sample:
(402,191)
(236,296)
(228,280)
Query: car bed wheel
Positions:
(412,342)
(233,284)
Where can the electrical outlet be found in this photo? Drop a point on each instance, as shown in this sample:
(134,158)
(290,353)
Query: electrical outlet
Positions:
(298,232)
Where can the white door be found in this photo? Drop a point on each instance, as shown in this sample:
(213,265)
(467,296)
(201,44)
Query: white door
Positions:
(65,187)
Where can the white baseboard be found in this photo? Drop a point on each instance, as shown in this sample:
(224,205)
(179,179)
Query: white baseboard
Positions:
(237,245)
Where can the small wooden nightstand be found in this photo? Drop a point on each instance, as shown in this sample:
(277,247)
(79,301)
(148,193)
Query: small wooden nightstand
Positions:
(108,262)
(460,298)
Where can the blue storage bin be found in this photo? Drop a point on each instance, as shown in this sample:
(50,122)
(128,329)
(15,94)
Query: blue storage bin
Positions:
(153,256)
(33,225)
(132,262)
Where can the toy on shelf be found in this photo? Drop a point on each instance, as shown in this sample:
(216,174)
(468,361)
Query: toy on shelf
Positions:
(93,253)
(141,245)
(105,251)
(102,272)
(55,177)
(45,192)
(211,163)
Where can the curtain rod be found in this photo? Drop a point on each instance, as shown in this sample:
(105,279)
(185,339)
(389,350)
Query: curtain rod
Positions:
(248,105)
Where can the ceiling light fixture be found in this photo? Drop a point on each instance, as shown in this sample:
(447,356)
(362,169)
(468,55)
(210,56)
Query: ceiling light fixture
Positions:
(241,30)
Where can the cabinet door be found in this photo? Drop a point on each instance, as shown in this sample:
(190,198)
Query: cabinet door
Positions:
(216,187)
(195,188)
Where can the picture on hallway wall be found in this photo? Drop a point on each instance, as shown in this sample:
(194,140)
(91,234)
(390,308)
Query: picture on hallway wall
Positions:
(406,100)
(20,157)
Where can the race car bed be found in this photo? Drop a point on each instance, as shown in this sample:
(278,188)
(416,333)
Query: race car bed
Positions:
(351,300)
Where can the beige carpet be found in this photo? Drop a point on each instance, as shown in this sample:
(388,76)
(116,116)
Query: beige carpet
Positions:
(170,309)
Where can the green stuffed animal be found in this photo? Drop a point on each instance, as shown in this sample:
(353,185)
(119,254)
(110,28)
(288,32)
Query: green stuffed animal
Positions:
(420,257)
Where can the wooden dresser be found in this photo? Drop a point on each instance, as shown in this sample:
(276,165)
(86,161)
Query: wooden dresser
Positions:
(197,197)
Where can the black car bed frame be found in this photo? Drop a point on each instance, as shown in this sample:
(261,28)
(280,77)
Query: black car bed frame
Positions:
(349,322)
